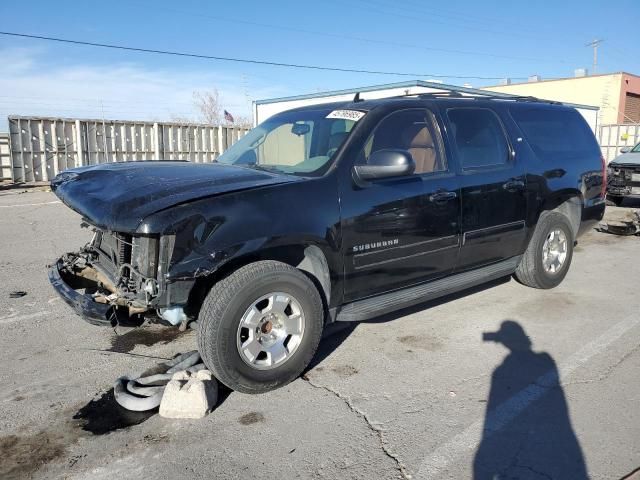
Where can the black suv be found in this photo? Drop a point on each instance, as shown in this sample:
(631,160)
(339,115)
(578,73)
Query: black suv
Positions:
(335,212)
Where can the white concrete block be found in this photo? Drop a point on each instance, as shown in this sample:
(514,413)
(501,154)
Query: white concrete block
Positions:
(204,375)
(189,395)
(181,375)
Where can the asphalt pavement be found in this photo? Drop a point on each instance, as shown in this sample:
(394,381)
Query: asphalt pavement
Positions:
(429,392)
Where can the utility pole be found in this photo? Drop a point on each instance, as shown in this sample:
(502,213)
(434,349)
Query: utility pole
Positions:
(595,45)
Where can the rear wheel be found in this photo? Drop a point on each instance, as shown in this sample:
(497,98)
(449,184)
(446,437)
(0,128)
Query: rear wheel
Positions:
(260,326)
(548,256)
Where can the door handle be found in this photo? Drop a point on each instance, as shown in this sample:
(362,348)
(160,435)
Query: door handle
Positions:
(442,197)
(513,185)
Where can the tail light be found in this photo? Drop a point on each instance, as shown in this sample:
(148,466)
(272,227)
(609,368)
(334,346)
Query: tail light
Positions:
(603,192)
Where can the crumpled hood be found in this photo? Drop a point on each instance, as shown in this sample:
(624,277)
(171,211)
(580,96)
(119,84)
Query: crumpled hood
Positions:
(631,158)
(118,196)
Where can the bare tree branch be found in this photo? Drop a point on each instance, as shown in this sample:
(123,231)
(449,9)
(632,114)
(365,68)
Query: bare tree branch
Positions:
(208,103)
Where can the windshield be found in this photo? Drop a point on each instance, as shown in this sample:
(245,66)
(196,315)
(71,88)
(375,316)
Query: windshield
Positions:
(636,148)
(298,143)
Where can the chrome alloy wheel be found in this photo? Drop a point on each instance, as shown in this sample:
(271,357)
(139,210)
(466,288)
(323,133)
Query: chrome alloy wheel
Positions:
(270,330)
(554,251)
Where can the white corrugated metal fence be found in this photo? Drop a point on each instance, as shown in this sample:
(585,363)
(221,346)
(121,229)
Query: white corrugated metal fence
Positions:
(5,157)
(613,137)
(40,148)
(36,149)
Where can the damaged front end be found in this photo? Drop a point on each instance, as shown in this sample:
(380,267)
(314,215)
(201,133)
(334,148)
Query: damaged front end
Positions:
(623,179)
(118,279)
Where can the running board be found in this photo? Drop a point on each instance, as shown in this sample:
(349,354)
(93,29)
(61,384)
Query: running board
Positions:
(389,302)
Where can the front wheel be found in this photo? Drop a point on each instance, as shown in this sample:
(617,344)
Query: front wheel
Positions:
(546,261)
(260,326)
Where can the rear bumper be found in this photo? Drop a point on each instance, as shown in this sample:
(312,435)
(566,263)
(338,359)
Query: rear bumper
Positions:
(84,305)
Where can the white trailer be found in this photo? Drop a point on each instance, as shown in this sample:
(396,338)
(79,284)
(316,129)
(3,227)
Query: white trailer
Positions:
(263,109)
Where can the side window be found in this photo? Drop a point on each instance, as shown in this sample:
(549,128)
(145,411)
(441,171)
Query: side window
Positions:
(478,137)
(556,133)
(412,130)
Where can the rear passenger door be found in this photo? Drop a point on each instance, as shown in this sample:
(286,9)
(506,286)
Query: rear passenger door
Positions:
(492,184)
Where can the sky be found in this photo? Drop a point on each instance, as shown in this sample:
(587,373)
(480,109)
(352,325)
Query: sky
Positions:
(451,41)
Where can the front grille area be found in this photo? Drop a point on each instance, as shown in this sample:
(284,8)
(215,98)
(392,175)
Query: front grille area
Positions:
(114,250)
(617,181)
(621,176)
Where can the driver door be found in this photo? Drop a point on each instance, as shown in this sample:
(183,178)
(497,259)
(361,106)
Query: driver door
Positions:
(403,230)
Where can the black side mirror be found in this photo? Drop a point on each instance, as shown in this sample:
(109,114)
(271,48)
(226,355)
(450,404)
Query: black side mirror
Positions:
(625,149)
(384,164)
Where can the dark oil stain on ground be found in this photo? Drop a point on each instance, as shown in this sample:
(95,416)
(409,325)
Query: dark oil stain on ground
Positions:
(105,415)
(251,418)
(420,342)
(151,439)
(23,455)
(553,302)
(345,370)
(143,336)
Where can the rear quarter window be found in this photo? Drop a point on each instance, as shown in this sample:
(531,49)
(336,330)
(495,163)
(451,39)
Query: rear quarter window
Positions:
(556,134)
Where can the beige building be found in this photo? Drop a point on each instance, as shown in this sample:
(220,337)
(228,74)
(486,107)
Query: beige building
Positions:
(616,94)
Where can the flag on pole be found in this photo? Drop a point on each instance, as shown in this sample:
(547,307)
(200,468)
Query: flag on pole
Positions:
(228,117)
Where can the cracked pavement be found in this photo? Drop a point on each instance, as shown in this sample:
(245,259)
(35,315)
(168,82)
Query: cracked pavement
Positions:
(404,396)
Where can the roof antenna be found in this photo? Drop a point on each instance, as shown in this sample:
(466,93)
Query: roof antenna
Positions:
(357,98)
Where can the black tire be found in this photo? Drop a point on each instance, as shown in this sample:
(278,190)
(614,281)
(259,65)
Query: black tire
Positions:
(223,309)
(531,271)
(616,200)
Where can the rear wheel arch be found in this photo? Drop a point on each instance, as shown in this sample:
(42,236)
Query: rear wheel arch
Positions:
(569,204)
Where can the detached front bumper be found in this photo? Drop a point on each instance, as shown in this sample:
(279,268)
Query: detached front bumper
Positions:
(67,287)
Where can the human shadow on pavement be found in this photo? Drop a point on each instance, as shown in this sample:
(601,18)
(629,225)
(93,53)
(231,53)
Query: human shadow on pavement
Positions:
(527,430)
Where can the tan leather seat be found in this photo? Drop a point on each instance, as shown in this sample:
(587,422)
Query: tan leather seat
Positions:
(419,143)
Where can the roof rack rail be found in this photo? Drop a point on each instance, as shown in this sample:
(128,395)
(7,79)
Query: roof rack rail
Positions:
(529,98)
(478,96)
(447,93)
(452,93)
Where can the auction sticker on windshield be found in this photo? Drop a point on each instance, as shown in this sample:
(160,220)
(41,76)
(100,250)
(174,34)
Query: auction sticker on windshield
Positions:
(346,115)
